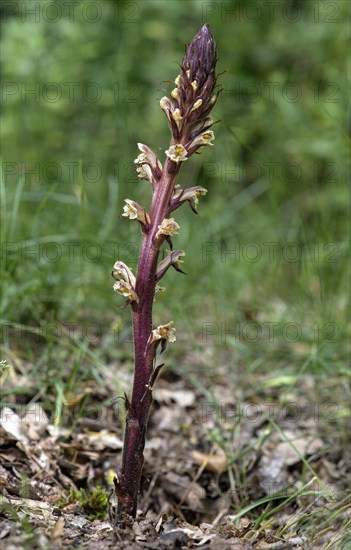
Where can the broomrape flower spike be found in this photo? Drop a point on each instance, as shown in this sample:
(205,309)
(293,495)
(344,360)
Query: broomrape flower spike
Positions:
(187,110)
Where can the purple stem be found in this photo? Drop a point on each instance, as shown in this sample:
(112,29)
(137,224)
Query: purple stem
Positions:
(129,477)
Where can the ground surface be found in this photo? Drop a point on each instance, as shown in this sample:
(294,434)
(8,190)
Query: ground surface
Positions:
(235,469)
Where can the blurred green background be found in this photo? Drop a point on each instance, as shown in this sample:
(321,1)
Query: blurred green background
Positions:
(268,251)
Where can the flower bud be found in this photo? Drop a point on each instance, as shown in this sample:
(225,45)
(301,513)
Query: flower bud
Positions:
(177,117)
(166,105)
(198,77)
(193,94)
(175,94)
(196,105)
(200,60)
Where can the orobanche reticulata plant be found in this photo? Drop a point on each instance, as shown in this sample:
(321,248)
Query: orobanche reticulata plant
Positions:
(187,111)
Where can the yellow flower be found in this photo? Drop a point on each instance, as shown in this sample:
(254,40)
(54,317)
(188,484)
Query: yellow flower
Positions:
(121,269)
(198,194)
(177,153)
(124,288)
(148,165)
(149,156)
(191,194)
(164,332)
(134,211)
(144,172)
(167,227)
(129,211)
(141,159)
(203,139)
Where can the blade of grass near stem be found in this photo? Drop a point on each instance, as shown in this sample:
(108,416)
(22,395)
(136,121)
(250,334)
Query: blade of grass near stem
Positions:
(2,205)
(302,458)
(14,212)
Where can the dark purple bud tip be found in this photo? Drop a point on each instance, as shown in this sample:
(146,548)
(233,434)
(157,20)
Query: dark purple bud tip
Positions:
(201,52)
(200,60)
(193,99)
